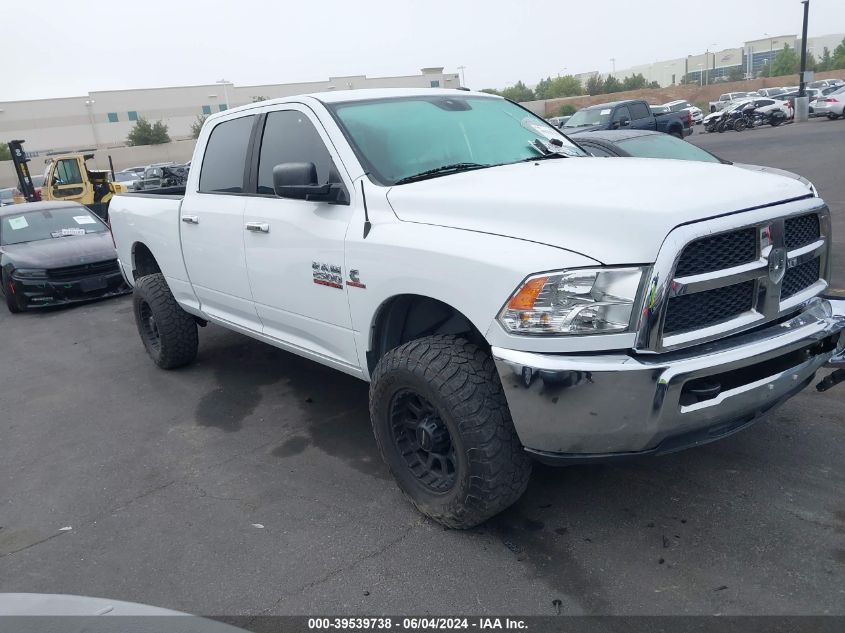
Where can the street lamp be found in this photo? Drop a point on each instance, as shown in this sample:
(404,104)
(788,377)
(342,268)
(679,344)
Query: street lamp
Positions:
(613,61)
(700,75)
(224,83)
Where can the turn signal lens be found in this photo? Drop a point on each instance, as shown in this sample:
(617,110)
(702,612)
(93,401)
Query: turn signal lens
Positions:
(526,296)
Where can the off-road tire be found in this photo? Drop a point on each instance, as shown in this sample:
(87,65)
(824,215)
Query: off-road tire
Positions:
(459,379)
(174,341)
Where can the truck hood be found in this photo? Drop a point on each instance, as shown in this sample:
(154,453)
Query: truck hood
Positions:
(60,252)
(616,211)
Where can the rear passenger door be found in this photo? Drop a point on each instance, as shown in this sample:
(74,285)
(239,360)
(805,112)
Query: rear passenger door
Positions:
(641,116)
(211,226)
(295,247)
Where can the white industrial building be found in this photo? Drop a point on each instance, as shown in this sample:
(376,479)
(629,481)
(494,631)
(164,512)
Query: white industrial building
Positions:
(709,66)
(103,119)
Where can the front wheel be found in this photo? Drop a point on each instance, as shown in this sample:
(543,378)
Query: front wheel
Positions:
(739,125)
(444,429)
(168,332)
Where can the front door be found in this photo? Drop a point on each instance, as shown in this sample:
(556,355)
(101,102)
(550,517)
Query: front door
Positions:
(211,226)
(295,248)
(67,182)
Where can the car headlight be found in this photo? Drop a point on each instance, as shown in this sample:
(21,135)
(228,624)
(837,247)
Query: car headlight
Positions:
(581,301)
(29,273)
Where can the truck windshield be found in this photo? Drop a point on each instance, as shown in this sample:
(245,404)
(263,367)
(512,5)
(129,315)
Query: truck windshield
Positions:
(400,139)
(48,224)
(592,116)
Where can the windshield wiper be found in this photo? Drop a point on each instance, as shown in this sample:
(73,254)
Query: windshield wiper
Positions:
(438,171)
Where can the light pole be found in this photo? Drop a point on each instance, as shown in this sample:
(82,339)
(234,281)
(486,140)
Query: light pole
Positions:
(461,70)
(613,61)
(88,106)
(224,83)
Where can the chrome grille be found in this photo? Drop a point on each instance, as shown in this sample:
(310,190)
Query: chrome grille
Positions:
(719,277)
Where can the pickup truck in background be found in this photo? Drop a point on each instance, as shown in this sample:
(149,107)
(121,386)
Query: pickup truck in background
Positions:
(728,98)
(472,264)
(633,114)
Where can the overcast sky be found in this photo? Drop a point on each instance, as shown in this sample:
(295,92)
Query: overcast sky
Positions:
(57,48)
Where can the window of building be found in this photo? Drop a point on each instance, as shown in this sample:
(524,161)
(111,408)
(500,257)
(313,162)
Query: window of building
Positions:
(289,137)
(435,83)
(113,117)
(206,109)
(133,116)
(225,157)
(222,107)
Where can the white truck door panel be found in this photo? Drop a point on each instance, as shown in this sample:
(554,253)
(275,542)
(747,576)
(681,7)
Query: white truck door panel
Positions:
(212,227)
(295,248)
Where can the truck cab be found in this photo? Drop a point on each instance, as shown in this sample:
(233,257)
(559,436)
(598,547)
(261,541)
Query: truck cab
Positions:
(68,178)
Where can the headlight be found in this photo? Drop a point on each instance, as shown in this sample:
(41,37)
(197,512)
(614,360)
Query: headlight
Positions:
(29,273)
(583,301)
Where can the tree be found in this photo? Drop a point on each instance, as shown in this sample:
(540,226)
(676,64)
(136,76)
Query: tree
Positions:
(567,109)
(145,133)
(654,85)
(826,61)
(838,60)
(5,154)
(491,91)
(595,85)
(612,84)
(196,126)
(566,86)
(634,82)
(786,62)
(518,92)
(766,71)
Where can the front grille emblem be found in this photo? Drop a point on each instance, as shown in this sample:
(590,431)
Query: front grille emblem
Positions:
(777,264)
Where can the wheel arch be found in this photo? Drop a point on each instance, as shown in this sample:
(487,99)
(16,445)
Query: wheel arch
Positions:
(405,317)
(143,261)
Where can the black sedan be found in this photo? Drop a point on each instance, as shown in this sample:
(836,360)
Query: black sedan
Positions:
(650,144)
(53,253)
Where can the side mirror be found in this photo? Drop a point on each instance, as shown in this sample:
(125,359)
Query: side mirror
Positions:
(624,122)
(299,181)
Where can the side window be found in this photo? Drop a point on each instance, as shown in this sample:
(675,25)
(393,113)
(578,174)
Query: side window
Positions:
(225,157)
(595,150)
(290,137)
(639,111)
(725,98)
(621,113)
(67,173)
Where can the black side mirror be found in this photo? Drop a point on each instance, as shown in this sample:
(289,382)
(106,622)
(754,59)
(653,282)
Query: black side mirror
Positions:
(299,181)
(624,122)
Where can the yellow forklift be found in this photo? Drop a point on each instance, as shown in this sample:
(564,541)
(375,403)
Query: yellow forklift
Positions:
(67,178)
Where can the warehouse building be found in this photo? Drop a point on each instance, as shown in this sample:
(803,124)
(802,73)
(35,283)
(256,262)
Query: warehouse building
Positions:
(103,119)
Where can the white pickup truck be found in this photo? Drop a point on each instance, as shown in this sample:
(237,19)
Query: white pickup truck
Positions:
(507,297)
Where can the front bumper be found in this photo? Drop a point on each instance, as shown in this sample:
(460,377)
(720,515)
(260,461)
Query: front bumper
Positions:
(579,407)
(41,293)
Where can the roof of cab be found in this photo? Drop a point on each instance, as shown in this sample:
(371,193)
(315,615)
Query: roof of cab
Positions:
(363,94)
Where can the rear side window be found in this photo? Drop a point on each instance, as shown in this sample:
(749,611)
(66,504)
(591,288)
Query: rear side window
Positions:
(639,110)
(290,137)
(225,157)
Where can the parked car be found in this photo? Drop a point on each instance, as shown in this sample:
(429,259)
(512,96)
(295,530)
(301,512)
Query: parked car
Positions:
(759,102)
(53,253)
(559,121)
(137,170)
(771,92)
(633,113)
(162,176)
(681,106)
(826,83)
(7,196)
(506,296)
(726,99)
(831,105)
(647,144)
(127,178)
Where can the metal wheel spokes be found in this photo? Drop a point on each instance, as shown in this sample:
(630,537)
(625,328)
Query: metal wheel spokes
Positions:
(423,440)
(148,324)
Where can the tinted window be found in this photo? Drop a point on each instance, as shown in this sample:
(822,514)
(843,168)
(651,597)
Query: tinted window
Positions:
(621,113)
(225,157)
(67,173)
(665,146)
(639,111)
(289,137)
(595,150)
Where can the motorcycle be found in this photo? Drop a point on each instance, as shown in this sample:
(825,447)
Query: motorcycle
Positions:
(769,115)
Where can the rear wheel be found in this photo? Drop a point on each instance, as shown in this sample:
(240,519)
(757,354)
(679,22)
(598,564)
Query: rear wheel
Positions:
(739,125)
(444,429)
(168,332)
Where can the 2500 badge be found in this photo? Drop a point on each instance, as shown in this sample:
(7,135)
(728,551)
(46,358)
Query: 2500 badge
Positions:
(327,275)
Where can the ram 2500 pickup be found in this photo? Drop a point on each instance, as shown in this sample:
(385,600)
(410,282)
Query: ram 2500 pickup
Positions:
(505,301)
(634,114)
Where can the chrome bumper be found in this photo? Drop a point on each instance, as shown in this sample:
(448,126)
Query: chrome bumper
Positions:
(610,405)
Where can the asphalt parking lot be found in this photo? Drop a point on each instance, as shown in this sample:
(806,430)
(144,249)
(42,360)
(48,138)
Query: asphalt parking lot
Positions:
(249,483)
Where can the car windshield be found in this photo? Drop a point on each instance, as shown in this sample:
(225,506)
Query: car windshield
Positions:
(48,224)
(7,194)
(590,116)
(415,137)
(665,146)
(125,176)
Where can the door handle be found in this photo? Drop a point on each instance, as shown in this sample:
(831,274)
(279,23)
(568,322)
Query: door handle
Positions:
(191,219)
(257,227)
